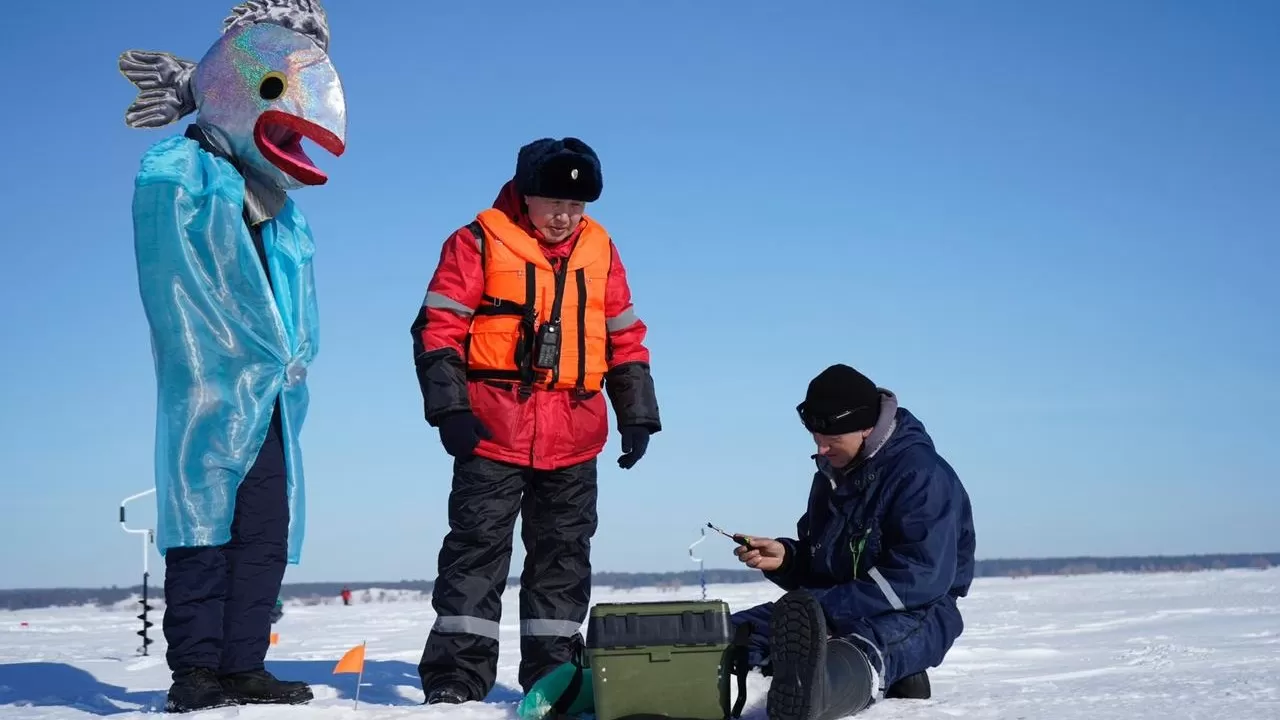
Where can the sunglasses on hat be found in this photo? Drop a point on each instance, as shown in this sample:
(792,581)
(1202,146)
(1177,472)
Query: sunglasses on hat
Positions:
(825,424)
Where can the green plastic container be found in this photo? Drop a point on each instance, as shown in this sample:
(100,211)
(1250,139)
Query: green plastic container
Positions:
(660,659)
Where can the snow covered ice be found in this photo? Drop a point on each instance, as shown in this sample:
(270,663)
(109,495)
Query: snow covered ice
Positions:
(1195,645)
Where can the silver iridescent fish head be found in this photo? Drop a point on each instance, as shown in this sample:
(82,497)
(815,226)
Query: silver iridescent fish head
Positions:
(263,88)
(266,84)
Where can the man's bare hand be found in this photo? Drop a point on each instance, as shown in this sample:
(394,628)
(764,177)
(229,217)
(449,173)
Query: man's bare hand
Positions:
(763,554)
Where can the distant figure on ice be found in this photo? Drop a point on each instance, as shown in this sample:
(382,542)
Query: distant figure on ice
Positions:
(225,276)
(346,595)
(277,612)
(527,316)
(883,552)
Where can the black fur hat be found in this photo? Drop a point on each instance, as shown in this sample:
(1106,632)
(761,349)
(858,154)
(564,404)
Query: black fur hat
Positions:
(565,169)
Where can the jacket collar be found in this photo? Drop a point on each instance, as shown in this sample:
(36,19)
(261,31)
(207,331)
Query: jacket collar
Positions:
(262,202)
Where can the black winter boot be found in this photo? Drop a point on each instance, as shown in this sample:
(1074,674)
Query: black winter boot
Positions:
(911,687)
(259,687)
(450,693)
(195,689)
(814,678)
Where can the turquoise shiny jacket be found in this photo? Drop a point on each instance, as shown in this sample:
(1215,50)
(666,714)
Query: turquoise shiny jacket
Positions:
(226,343)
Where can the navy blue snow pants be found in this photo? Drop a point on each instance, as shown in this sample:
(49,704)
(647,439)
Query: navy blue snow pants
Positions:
(897,644)
(218,600)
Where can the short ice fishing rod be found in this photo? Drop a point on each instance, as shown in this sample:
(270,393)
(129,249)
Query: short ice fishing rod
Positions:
(742,540)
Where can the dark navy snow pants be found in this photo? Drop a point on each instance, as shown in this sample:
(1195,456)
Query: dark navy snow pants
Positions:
(218,600)
(898,644)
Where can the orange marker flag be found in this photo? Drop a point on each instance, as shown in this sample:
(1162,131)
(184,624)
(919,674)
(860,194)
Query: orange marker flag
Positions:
(353,662)
(275,638)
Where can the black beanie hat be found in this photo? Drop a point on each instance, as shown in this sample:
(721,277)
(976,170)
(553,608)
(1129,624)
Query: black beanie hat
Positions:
(840,400)
(565,169)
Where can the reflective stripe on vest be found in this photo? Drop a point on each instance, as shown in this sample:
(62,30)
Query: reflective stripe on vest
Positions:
(522,292)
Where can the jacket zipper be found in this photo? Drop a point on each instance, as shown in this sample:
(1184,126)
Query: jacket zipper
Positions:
(533,432)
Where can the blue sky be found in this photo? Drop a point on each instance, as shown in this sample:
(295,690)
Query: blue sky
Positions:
(1050,228)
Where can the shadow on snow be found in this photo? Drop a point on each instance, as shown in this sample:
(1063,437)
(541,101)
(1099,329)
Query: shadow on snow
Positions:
(46,684)
(382,680)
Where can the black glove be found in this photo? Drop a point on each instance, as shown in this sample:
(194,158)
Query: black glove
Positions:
(461,432)
(635,440)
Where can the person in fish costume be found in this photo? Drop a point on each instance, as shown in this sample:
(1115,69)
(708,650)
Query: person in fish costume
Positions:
(224,263)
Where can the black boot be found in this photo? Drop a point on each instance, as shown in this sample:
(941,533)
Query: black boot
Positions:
(911,687)
(259,687)
(195,689)
(450,693)
(813,678)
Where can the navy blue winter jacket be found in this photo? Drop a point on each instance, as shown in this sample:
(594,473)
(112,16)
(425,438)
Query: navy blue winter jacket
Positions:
(890,532)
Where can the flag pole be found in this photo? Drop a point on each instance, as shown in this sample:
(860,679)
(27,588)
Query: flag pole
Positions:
(360,677)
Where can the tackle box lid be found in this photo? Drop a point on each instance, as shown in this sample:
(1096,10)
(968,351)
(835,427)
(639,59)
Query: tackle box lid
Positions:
(672,623)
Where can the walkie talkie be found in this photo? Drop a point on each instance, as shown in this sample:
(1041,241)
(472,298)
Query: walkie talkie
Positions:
(546,354)
(546,347)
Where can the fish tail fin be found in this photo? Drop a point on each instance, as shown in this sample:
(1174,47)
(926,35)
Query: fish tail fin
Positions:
(164,87)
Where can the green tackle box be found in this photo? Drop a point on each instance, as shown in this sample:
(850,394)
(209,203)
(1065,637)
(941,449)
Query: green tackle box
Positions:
(659,659)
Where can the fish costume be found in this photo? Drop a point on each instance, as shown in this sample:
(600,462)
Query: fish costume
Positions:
(224,263)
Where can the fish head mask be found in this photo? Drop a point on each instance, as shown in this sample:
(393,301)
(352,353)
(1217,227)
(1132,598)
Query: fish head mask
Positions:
(265,85)
(263,88)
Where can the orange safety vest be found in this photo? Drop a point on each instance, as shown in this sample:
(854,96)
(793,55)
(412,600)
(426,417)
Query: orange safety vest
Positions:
(528,306)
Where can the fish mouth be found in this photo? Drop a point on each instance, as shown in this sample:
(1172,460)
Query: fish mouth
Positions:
(278,136)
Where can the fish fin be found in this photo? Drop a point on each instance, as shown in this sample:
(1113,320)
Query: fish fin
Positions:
(306,17)
(164,84)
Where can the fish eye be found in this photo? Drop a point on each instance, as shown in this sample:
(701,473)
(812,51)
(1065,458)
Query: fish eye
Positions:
(272,86)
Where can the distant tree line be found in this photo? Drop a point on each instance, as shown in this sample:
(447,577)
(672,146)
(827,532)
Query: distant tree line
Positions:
(28,599)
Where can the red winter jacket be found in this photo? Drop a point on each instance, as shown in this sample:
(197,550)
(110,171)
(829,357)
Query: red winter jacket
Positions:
(550,429)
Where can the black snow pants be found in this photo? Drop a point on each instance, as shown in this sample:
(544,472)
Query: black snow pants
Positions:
(558,515)
(219,600)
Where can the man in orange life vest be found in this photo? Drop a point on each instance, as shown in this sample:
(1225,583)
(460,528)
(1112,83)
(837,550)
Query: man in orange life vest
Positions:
(527,318)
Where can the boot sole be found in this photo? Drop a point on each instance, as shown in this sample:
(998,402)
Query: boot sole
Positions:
(798,652)
(300,699)
(176,709)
